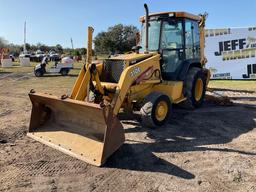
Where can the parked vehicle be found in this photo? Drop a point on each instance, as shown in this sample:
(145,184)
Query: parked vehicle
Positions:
(24,54)
(62,67)
(39,55)
(12,57)
(54,56)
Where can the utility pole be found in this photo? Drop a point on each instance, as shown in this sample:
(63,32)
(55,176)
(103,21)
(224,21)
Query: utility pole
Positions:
(25,31)
(72,43)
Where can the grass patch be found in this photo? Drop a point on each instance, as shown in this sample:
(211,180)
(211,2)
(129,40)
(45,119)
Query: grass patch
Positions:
(221,84)
(233,84)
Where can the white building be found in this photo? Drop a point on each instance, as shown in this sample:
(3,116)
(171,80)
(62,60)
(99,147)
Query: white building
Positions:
(231,53)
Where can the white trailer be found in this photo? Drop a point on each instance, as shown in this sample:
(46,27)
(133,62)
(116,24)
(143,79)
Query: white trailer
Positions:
(231,53)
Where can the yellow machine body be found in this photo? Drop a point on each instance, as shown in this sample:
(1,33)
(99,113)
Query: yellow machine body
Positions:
(91,131)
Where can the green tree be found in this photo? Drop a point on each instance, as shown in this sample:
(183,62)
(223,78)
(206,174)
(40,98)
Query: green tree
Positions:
(28,46)
(118,38)
(43,47)
(82,51)
(76,52)
(15,49)
(59,49)
(33,48)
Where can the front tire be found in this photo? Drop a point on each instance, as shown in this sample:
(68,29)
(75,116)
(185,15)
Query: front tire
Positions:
(194,88)
(156,110)
(38,73)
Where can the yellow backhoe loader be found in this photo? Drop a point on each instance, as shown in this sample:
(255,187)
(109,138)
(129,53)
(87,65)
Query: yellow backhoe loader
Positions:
(168,68)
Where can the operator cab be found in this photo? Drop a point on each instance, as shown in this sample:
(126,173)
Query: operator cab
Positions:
(176,36)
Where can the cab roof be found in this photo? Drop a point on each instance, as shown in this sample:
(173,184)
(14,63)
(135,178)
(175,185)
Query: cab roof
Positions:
(173,14)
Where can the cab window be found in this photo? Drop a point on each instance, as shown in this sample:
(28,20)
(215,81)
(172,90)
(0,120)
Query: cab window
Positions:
(192,39)
(171,46)
(171,35)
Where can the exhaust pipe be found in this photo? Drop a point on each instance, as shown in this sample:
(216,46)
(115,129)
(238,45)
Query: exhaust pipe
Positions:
(146,23)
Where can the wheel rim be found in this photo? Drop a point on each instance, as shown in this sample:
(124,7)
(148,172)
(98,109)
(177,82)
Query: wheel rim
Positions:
(161,110)
(198,89)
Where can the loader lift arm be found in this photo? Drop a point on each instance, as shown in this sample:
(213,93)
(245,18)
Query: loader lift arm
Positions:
(88,131)
(80,87)
(91,72)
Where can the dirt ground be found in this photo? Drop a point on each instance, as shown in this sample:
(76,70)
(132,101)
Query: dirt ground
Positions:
(209,149)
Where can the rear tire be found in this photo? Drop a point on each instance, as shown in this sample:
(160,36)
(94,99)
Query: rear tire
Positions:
(156,110)
(194,88)
(64,72)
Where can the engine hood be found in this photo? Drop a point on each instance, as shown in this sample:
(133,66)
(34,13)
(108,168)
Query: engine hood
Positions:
(133,56)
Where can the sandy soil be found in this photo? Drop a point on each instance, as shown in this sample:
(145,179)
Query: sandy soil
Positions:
(209,149)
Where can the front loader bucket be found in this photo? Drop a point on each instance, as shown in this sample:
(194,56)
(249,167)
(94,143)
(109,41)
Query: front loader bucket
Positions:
(83,130)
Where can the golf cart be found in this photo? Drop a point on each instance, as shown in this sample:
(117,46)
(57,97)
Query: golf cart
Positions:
(62,67)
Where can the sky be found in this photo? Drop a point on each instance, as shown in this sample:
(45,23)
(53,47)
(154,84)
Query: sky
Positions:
(54,22)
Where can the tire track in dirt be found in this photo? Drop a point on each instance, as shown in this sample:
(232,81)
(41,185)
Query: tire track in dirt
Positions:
(29,164)
(149,160)
(116,181)
(12,78)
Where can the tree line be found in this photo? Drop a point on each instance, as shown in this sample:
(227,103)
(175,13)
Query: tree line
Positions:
(15,50)
(117,39)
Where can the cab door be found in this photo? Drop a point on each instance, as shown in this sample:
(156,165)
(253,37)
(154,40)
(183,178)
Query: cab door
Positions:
(172,48)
